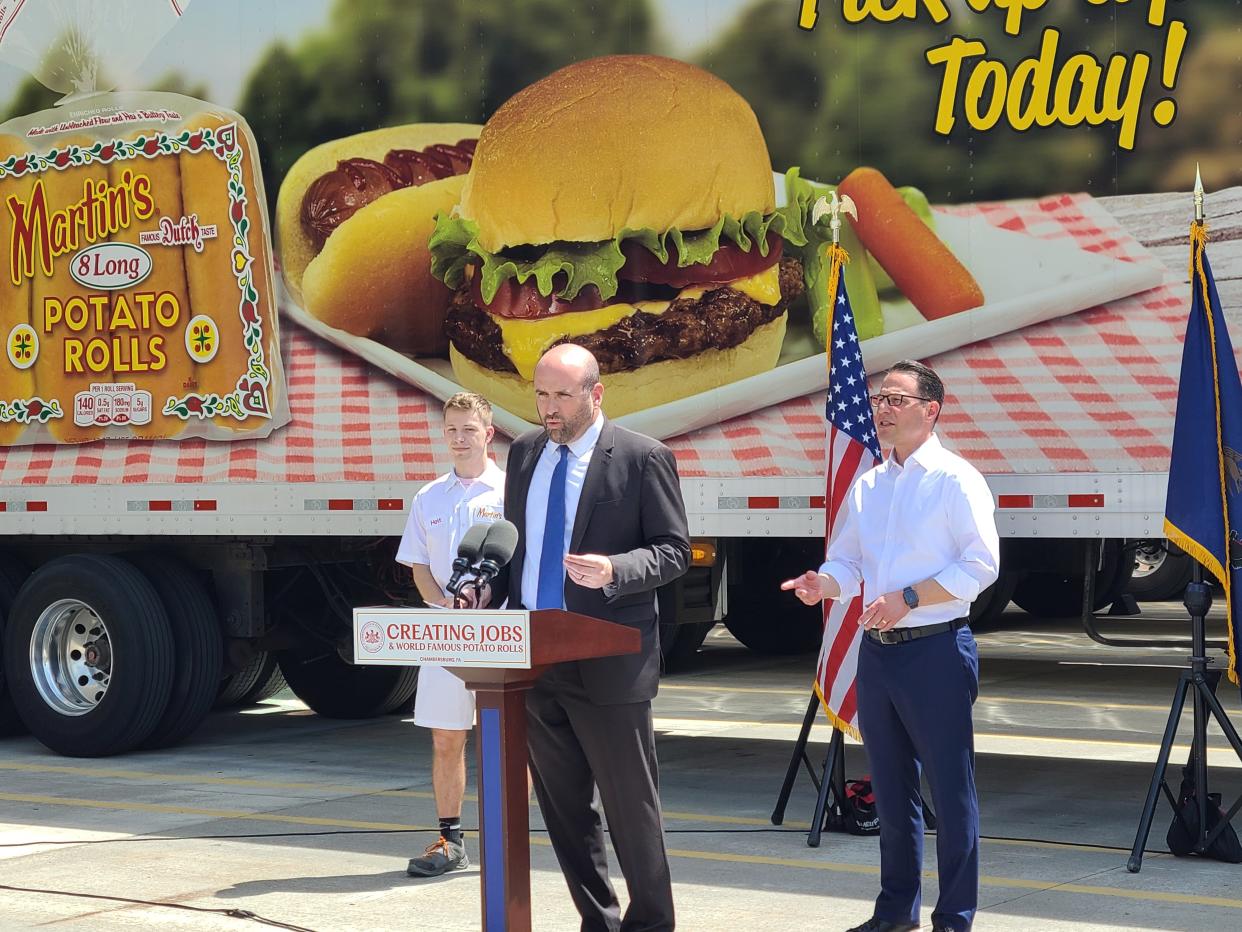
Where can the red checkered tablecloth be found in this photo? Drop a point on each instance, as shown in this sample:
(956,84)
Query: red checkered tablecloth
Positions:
(1094,391)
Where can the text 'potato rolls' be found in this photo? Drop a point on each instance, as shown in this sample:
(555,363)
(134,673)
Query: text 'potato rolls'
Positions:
(139,292)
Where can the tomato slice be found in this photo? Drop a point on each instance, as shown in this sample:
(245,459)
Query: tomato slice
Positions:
(728,264)
(523,301)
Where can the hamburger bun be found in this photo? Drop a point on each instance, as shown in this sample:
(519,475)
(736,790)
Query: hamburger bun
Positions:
(624,141)
(637,389)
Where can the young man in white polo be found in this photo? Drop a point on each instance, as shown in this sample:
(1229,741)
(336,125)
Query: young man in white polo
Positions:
(472,492)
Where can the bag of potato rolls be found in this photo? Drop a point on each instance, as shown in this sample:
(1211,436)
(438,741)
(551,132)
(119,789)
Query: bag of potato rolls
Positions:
(139,301)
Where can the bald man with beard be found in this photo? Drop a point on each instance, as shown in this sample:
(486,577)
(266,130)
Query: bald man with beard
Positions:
(602,525)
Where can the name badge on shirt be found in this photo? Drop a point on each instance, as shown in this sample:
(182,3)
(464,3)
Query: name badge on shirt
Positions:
(486,514)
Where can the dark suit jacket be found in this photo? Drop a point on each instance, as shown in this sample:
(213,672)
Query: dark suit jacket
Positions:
(631,511)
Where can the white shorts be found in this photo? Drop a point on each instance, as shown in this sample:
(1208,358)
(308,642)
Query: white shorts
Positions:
(443,701)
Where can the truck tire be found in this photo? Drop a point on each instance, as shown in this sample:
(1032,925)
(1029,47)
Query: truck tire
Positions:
(269,682)
(1161,571)
(198,646)
(1051,595)
(12,575)
(761,616)
(986,611)
(334,688)
(76,620)
(236,686)
(680,643)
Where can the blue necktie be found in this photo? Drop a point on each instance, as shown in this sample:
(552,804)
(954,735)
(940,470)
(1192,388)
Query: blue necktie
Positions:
(552,557)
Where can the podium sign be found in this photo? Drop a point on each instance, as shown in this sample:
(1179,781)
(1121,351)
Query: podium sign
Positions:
(448,638)
(498,654)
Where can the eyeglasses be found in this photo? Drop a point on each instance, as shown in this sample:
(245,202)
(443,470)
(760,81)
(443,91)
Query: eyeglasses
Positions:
(895,400)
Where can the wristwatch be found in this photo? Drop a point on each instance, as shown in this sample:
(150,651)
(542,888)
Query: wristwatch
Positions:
(911,597)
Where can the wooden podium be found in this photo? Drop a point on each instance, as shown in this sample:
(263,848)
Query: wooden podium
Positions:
(500,699)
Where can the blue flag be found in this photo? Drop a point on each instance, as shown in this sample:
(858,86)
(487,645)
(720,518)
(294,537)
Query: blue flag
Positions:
(1203,511)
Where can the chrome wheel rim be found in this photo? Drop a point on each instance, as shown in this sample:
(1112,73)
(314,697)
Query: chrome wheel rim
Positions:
(1148,558)
(71,657)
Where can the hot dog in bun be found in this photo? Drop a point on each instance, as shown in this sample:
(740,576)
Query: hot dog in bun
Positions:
(354,217)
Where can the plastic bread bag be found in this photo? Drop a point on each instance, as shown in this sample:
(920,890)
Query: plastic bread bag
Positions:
(139,300)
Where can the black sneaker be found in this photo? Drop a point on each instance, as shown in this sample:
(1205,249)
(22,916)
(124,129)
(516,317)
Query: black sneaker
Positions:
(439,858)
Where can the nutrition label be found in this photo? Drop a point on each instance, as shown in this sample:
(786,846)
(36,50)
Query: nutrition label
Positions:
(115,403)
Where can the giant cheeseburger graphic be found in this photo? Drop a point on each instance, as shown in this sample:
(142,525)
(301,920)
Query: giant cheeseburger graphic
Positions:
(625,204)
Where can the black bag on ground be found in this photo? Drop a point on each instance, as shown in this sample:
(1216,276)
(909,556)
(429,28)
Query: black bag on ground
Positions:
(1184,830)
(859,815)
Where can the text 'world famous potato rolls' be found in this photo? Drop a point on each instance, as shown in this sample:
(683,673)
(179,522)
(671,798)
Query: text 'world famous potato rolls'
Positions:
(230,283)
(21,339)
(922,267)
(354,217)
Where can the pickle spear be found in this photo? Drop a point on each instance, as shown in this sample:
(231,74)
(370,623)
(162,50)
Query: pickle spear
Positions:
(859,284)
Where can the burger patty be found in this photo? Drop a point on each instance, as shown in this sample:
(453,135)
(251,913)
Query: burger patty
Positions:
(722,318)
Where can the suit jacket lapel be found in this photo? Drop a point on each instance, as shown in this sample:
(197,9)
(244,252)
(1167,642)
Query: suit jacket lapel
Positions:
(591,485)
(521,491)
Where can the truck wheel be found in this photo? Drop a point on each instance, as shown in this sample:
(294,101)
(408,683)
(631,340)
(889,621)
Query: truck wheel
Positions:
(335,688)
(986,611)
(680,643)
(236,686)
(269,682)
(198,646)
(12,575)
(1161,571)
(1050,595)
(762,617)
(89,655)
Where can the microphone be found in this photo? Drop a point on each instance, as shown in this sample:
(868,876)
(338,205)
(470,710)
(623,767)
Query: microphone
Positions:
(497,551)
(468,552)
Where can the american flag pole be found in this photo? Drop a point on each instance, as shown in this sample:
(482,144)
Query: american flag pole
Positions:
(852,449)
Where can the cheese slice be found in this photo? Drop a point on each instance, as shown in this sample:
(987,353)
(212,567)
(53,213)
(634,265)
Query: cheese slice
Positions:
(525,341)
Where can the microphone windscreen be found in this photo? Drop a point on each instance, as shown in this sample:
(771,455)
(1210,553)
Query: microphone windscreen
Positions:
(502,540)
(472,542)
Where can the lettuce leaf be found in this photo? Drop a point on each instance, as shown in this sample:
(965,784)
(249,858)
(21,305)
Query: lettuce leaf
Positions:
(455,245)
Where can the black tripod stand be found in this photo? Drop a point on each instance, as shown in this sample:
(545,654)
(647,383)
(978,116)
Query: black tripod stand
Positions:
(1198,681)
(830,781)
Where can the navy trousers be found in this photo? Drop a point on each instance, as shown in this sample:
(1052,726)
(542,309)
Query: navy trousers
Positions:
(914,712)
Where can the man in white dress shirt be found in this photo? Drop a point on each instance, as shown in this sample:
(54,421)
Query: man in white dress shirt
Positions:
(919,539)
(472,492)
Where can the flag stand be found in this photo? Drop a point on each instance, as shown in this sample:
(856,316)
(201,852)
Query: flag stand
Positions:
(1200,681)
(829,782)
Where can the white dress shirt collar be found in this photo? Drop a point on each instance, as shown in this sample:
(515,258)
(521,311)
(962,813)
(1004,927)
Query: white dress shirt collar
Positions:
(587,441)
(492,476)
(927,455)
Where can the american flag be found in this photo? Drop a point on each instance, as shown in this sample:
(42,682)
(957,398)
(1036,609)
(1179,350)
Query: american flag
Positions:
(852,450)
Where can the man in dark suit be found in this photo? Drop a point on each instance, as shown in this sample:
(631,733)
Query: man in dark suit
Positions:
(601,524)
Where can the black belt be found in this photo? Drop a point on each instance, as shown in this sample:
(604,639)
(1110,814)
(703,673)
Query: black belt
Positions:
(900,635)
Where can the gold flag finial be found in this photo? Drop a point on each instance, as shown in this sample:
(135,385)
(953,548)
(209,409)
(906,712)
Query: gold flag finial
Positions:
(1198,195)
(834,206)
